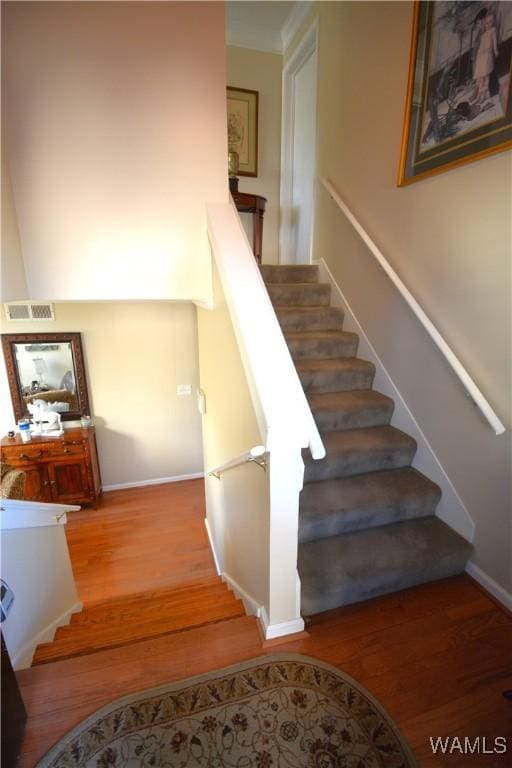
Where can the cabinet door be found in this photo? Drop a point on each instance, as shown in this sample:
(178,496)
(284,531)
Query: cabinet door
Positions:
(37,483)
(68,480)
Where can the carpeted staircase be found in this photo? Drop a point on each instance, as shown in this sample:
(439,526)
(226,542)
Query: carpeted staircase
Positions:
(367,518)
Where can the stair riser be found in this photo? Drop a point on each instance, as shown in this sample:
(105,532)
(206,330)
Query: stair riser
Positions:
(338,522)
(321,382)
(357,462)
(315,349)
(314,295)
(336,421)
(311,320)
(381,584)
(272,273)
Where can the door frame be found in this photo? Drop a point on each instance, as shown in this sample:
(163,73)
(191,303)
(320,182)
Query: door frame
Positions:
(307,47)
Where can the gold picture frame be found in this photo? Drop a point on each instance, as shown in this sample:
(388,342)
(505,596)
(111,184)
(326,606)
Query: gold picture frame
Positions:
(242,117)
(459,93)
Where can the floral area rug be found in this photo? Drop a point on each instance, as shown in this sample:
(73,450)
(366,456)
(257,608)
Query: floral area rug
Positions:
(276,711)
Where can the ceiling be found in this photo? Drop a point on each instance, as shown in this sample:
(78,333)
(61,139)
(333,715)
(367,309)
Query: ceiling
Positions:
(265,25)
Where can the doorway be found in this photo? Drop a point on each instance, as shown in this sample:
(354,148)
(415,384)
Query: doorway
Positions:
(298,152)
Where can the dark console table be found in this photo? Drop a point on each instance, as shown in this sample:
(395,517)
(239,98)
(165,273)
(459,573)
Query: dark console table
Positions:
(255,204)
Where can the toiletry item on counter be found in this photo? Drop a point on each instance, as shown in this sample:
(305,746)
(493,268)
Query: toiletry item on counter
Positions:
(24,428)
(86,421)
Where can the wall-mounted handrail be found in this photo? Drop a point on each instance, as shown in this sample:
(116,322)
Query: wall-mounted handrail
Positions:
(471,388)
(254,455)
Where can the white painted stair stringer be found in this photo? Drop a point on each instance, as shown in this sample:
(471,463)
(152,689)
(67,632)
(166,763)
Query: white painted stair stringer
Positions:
(451,508)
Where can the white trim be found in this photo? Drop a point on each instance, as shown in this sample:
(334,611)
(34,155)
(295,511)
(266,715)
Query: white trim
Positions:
(153,481)
(22,659)
(451,509)
(294,21)
(251,605)
(16,514)
(471,388)
(212,547)
(281,629)
(240,34)
(306,48)
(495,589)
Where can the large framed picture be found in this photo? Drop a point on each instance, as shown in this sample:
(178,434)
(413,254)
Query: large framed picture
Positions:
(243,128)
(459,105)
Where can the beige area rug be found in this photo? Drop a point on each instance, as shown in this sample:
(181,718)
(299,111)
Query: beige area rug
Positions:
(276,711)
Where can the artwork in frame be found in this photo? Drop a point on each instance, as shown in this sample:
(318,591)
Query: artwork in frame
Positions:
(242,106)
(459,105)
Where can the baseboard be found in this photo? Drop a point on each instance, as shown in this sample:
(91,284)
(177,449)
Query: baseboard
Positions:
(212,547)
(491,586)
(23,658)
(451,508)
(271,631)
(153,481)
(252,607)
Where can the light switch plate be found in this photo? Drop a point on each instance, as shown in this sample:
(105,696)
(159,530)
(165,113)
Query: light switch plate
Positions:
(184,389)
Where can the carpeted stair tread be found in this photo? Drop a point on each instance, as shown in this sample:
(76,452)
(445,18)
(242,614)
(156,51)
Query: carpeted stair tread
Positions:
(119,623)
(321,344)
(299,294)
(335,375)
(289,273)
(357,566)
(367,523)
(360,450)
(335,507)
(310,318)
(351,410)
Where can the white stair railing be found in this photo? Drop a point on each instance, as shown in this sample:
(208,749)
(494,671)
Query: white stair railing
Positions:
(468,383)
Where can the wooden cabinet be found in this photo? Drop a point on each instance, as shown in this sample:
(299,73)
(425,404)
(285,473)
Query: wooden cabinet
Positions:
(59,469)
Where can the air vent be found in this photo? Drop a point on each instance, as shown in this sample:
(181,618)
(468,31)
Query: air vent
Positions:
(27,311)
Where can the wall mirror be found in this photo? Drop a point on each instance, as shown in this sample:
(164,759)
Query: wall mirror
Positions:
(49,367)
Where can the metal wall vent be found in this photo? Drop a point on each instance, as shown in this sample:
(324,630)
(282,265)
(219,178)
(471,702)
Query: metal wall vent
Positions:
(29,311)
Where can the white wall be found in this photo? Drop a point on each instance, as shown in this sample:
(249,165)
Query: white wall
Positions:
(13,283)
(36,566)
(259,71)
(449,239)
(115,130)
(135,356)
(238,506)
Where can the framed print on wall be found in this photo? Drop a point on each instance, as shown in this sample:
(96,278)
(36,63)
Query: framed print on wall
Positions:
(243,128)
(459,105)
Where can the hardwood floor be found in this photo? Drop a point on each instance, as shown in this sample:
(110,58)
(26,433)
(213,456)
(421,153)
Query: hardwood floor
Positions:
(438,657)
(140,539)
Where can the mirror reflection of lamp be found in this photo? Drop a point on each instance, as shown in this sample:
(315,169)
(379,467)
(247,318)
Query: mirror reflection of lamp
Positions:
(41,369)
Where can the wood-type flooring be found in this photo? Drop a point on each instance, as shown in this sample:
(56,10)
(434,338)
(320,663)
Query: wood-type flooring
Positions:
(438,657)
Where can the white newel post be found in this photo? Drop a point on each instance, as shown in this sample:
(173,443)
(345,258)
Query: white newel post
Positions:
(286,469)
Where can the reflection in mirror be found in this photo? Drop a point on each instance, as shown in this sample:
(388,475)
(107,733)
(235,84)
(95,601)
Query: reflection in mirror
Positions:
(46,372)
(47,367)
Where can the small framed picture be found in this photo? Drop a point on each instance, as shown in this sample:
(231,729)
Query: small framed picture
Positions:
(459,105)
(242,109)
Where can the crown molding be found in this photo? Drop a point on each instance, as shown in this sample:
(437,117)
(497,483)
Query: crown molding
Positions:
(293,22)
(242,35)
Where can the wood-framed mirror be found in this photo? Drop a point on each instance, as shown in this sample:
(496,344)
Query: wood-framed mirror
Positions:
(49,367)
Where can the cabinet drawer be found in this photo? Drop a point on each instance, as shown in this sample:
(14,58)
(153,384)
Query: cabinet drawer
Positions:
(68,449)
(26,454)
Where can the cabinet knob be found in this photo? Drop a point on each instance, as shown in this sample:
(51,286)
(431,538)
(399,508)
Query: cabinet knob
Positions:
(35,456)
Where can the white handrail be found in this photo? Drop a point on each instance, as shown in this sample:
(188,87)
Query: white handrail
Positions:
(281,407)
(254,455)
(471,388)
